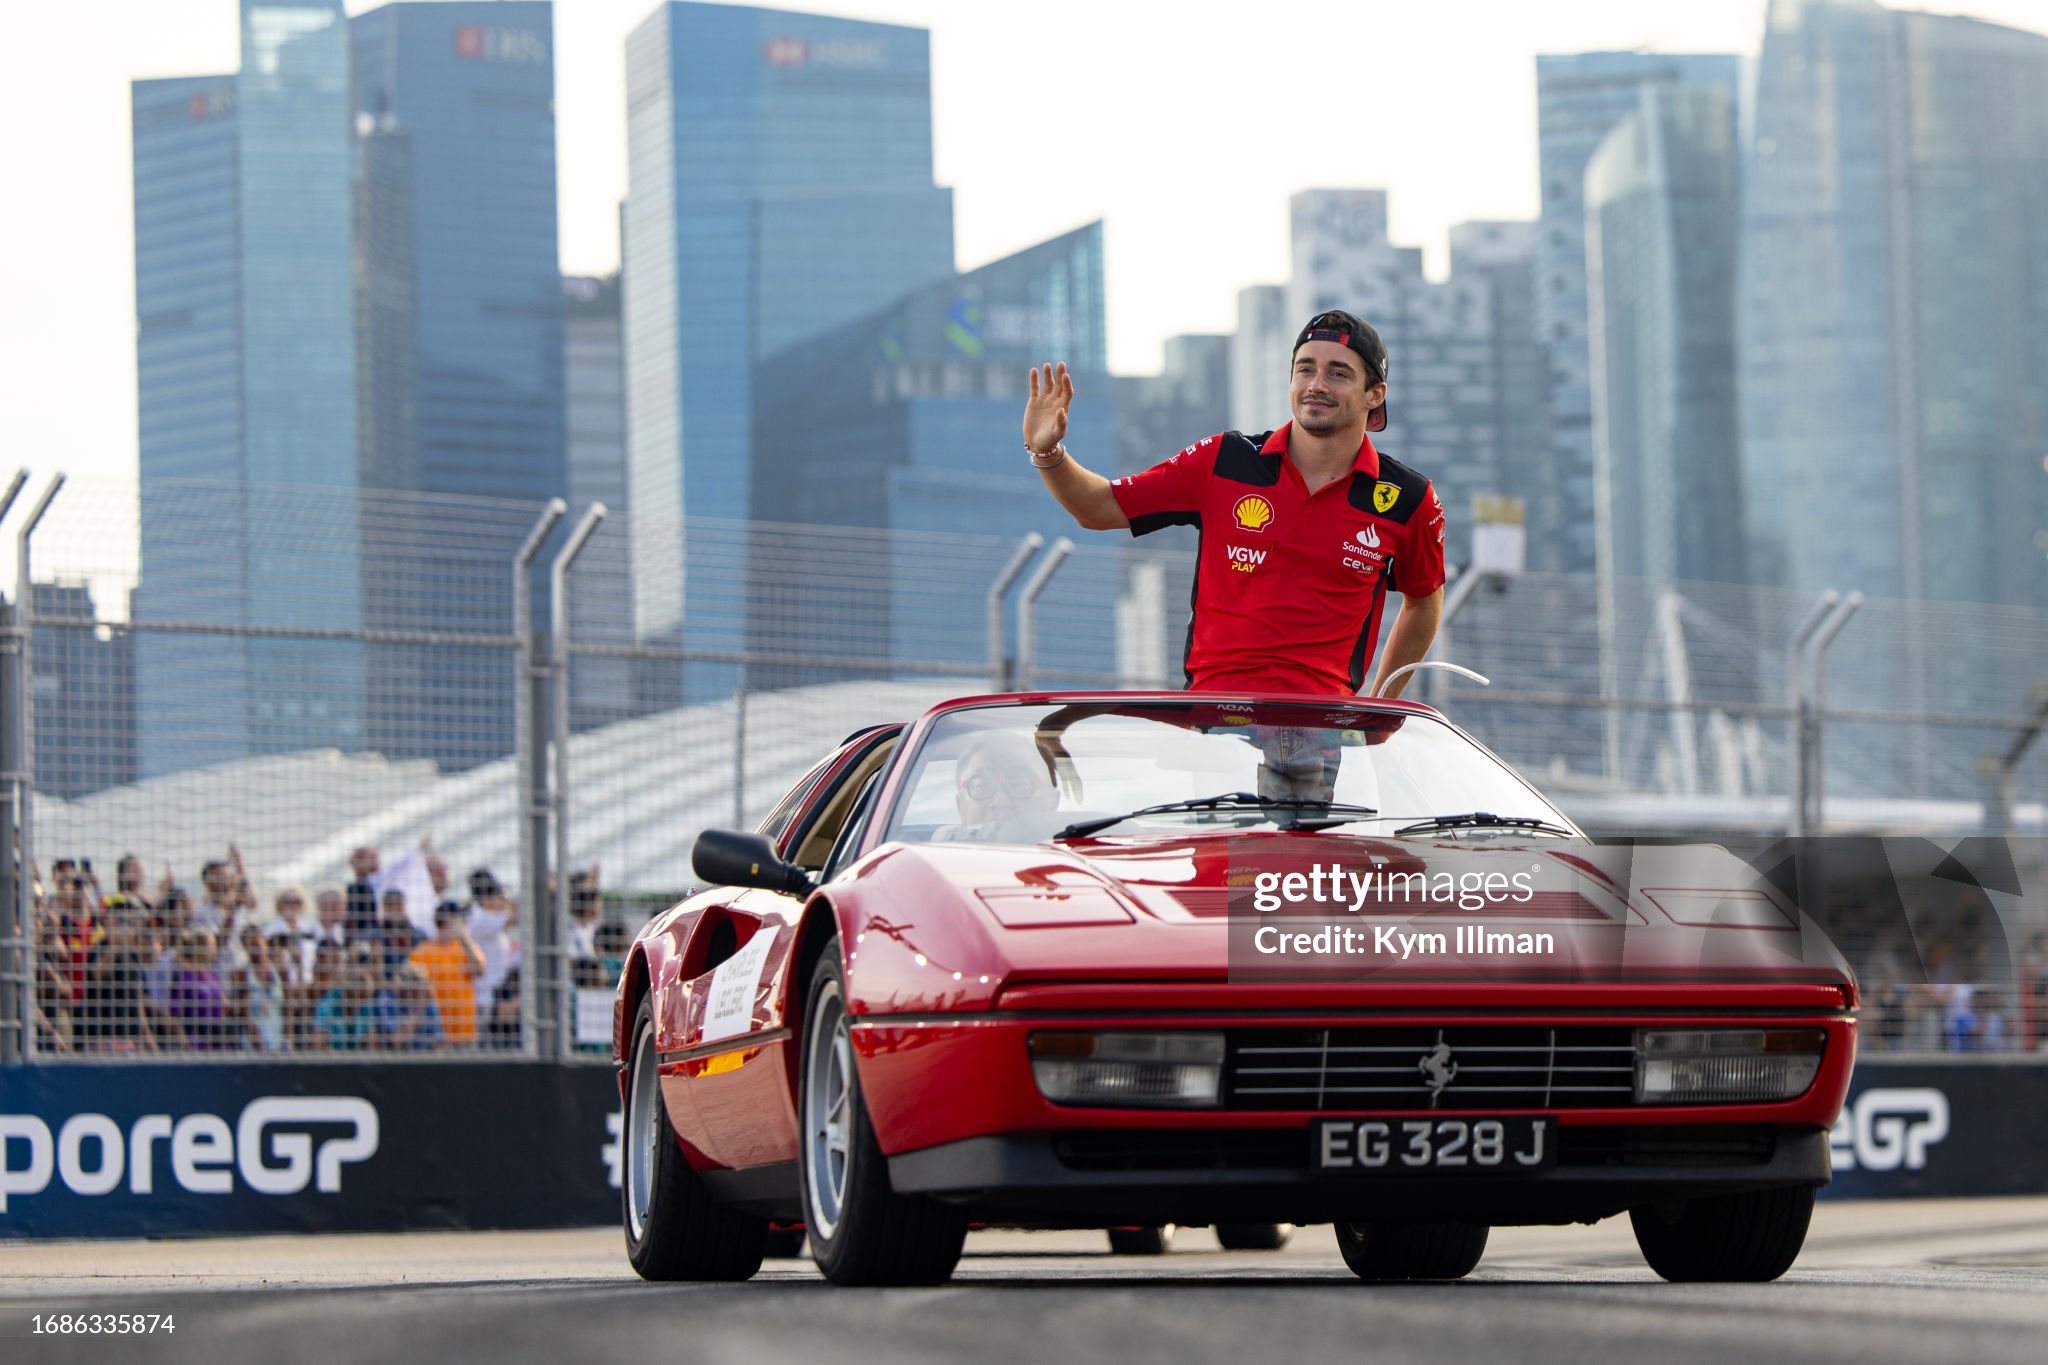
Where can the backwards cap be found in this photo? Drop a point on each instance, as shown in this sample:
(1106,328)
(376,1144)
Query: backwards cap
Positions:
(1351,331)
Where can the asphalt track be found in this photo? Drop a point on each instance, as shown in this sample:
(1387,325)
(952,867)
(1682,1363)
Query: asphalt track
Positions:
(1879,1281)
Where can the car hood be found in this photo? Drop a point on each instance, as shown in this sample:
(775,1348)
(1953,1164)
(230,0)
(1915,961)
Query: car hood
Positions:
(941,925)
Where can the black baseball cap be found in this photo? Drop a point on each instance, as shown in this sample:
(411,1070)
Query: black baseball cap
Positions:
(1350,330)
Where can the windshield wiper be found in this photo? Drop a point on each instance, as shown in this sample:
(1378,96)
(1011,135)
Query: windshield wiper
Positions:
(1224,800)
(1481,819)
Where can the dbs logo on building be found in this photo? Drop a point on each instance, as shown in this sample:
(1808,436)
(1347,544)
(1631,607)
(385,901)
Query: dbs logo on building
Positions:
(1253,513)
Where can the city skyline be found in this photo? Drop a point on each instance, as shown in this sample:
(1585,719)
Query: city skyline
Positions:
(70,278)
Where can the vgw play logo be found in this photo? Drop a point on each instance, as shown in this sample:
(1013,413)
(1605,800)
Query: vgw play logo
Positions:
(279,1145)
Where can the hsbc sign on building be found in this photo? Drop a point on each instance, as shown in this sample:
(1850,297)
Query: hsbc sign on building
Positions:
(844,54)
(481,42)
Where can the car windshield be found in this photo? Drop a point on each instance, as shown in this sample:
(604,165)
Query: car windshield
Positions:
(1022,774)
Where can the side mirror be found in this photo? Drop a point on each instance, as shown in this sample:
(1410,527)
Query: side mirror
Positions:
(730,857)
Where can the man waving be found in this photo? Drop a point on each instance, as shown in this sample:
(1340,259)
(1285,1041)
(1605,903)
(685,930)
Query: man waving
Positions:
(1304,530)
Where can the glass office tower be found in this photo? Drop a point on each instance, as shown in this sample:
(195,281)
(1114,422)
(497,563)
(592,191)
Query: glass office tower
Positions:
(1579,99)
(1895,306)
(780,185)
(245,356)
(462,346)
(1661,220)
(906,422)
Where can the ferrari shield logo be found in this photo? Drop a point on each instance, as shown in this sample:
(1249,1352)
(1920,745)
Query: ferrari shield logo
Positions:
(1384,496)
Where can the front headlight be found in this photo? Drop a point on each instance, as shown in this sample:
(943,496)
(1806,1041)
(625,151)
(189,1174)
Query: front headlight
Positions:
(1129,1070)
(1725,1066)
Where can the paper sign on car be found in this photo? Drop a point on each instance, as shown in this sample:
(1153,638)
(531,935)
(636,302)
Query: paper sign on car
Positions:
(733,987)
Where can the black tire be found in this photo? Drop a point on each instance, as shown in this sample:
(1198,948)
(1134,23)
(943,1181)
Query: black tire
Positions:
(1141,1241)
(680,1233)
(861,1230)
(1253,1236)
(1411,1251)
(1745,1237)
(784,1243)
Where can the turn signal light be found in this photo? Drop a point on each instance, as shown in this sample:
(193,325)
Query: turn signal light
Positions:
(1725,1066)
(1129,1070)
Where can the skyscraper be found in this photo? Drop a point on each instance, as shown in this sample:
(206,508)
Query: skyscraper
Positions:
(1258,357)
(780,185)
(84,695)
(1661,219)
(461,342)
(1895,395)
(455,106)
(1894,305)
(1502,256)
(1440,356)
(1579,99)
(600,590)
(907,422)
(1157,414)
(246,380)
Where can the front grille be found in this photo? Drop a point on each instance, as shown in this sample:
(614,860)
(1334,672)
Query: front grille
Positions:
(1488,1068)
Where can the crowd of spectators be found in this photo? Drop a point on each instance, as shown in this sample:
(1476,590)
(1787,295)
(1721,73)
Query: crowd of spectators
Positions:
(149,969)
(1951,996)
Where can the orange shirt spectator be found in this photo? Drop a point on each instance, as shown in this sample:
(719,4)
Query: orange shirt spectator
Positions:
(452,962)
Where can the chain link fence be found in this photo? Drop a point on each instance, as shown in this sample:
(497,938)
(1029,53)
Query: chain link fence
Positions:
(327,773)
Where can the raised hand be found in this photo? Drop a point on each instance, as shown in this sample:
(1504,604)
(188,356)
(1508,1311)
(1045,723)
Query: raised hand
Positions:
(1045,415)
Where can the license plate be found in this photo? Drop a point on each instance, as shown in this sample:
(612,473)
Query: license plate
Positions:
(1425,1145)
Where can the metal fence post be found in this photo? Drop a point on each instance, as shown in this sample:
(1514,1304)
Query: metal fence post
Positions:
(1997,769)
(17,982)
(739,752)
(998,657)
(1027,609)
(25,748)
(556,1016)
(1795,697)
(530,802)
(1461,590)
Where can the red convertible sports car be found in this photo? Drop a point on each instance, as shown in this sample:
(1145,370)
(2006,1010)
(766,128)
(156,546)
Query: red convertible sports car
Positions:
(1130,960)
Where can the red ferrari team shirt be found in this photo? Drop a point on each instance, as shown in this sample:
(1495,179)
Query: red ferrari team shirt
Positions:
(1289,584)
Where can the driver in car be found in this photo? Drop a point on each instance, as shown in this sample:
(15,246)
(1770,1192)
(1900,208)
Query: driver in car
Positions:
(999,776)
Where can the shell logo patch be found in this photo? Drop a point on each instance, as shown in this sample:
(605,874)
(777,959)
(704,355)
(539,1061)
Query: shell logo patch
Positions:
(1384,496)
(1253,513)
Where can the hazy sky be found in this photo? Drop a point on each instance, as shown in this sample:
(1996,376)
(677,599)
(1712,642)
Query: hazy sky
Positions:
(1183,124)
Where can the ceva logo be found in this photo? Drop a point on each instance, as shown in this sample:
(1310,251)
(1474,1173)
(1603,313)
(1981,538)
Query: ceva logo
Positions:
(1886,1129)
(91,1155)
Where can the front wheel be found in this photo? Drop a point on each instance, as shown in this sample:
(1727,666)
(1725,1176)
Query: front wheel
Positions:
(674,1230)
(1745,1237)
(861,1230)
(1411,1251)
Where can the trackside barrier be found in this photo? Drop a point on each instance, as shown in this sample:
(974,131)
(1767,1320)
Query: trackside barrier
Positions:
(151,1151)
(1940,1130)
